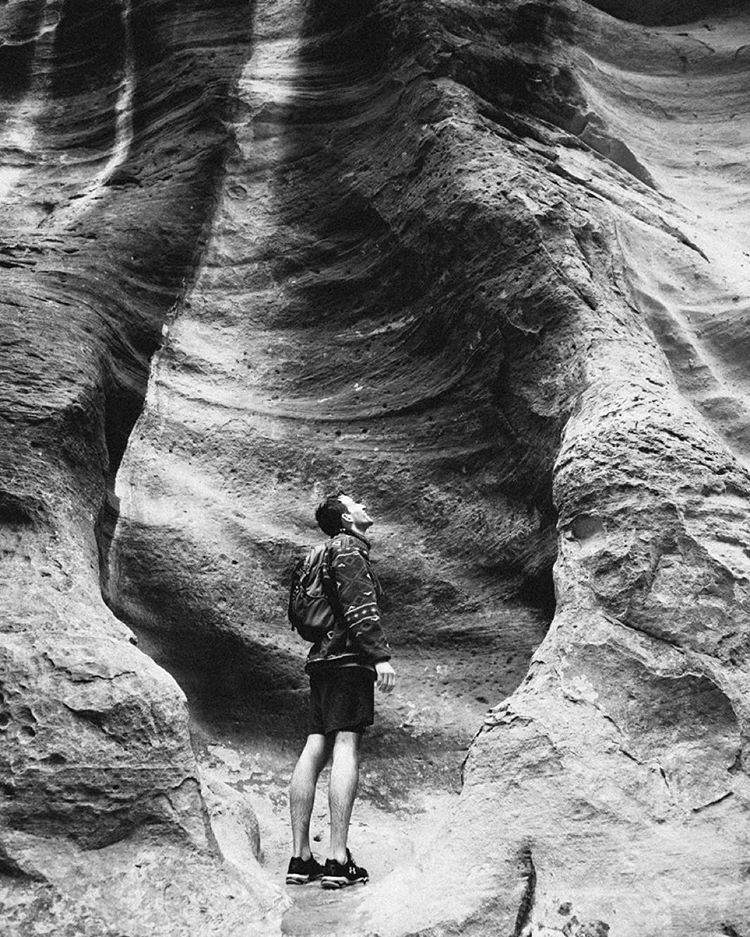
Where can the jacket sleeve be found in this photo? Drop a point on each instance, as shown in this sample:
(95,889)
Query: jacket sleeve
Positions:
(357,597)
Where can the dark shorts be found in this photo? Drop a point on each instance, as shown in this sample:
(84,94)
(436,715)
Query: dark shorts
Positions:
(342,700)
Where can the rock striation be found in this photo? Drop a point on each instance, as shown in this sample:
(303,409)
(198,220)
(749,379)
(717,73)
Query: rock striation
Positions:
(112,144)
(483,264)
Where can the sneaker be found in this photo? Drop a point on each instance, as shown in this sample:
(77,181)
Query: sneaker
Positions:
(301,871)
(340,874)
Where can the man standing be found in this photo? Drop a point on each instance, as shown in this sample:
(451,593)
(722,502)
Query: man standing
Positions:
(343,668)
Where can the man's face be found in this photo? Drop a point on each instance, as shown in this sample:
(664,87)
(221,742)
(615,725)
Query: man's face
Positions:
(355,513)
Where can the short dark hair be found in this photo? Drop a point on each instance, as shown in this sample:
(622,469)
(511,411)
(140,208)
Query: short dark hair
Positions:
(329,512)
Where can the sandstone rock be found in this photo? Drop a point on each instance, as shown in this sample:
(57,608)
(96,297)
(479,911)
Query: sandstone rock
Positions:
(482,264)
(99,778)
(233,822)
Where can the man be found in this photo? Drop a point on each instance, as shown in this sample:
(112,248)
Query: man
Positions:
(343,668)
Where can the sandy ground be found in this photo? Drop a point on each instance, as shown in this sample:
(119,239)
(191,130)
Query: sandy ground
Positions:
(410,775)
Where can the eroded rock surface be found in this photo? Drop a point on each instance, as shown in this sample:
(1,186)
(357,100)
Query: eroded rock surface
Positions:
(483,264)
(112,143)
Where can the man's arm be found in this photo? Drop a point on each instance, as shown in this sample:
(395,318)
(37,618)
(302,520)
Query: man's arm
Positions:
(357,598)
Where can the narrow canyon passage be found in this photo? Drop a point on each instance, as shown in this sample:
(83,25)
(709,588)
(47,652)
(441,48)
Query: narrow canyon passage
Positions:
(483,265)
(301,359)
(348,327)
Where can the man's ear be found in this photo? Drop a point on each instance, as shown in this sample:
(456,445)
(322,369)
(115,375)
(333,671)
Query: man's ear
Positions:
(347,517)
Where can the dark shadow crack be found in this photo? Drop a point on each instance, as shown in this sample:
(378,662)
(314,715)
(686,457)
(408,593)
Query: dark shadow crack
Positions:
(730,931)
(712,803)
(523,918)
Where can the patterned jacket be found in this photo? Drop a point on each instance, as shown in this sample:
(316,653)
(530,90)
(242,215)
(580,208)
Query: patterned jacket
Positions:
(357,637)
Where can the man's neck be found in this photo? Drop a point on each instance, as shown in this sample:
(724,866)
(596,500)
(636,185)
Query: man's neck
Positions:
(356,532)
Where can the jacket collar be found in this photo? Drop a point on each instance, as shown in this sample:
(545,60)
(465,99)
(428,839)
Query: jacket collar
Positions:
(353,533)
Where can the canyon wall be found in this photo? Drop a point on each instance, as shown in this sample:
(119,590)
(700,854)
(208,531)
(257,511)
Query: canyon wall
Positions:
(483,265)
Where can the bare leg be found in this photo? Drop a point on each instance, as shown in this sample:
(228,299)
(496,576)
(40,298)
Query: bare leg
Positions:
(302,791)
(342,790)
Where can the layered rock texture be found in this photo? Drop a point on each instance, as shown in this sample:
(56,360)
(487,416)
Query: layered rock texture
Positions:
(484,265)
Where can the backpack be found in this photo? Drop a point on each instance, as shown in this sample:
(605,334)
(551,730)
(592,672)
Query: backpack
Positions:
(310,611)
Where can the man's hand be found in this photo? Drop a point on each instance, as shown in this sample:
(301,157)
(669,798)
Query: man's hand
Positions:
(386,676)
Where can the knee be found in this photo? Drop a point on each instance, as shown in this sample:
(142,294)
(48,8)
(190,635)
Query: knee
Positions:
(316,751)
(346,746)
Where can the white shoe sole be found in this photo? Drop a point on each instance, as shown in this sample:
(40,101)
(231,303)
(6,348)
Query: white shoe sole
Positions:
(340,882)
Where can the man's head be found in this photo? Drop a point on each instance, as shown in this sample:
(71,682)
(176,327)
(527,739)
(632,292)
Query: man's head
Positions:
(341,512)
